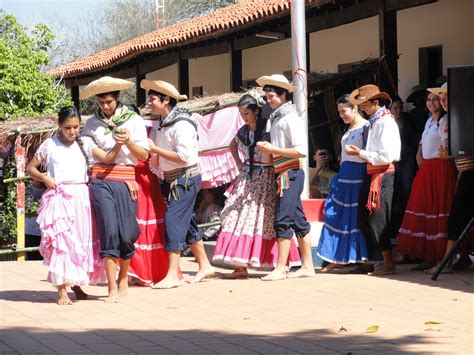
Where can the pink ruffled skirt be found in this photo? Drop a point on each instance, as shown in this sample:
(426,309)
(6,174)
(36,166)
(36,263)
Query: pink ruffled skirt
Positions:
(69,244)
(248,237)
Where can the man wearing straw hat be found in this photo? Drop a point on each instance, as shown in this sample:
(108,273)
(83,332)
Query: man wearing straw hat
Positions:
(381,151)
(287,148)
(175,151)
(114,127)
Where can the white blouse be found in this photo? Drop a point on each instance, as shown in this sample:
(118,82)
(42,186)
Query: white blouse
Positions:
(95,134)
(434,138)
(66,164)
(353,136)
(383,141)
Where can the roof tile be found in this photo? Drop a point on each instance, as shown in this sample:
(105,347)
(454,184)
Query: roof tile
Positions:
(222,19)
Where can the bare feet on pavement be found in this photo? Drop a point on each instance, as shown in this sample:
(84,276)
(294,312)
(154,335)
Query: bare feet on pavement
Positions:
(167,283)
(239,273)
(123,288)
(63,298)
(275,275)
(302,272)
(113,297)
(331,266)
(202,274)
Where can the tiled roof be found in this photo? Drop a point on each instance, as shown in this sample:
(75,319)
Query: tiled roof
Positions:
(212,24)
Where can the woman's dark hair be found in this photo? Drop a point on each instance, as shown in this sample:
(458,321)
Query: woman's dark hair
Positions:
(278,90)
(162,97)
(68,112)
(250,102)
(344,100)
(115,94)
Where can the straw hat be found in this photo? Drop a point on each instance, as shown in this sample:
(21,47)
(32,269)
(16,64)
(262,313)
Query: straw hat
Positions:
(163,88)
(440,90)
(275,80)
(366,93)
(103,85)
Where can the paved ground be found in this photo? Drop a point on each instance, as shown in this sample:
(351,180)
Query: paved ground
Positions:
(328,314)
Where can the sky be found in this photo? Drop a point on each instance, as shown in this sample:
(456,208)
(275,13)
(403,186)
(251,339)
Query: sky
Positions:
(32,12)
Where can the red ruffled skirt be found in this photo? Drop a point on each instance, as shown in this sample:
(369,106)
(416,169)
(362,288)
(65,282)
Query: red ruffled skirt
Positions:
(150,262)
(424,229)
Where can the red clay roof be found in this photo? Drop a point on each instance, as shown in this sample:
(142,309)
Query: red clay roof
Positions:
(211,24)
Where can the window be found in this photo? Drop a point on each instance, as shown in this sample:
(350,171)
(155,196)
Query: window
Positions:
(430,65)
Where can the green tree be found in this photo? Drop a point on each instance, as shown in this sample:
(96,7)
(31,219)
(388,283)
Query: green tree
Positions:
(24,89)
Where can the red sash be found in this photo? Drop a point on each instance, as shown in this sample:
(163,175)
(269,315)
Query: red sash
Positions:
(377,172)
(125,173)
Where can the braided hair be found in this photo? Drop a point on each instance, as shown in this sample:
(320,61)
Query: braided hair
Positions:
(70,112)
(252,101)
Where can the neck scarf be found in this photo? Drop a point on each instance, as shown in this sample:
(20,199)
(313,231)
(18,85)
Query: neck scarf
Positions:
(377,115)
(122,115)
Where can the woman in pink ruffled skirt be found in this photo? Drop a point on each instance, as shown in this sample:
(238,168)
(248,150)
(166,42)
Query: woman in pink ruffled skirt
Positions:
(69,245)
(247,236)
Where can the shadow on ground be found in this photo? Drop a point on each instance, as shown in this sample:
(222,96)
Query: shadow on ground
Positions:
(317,341)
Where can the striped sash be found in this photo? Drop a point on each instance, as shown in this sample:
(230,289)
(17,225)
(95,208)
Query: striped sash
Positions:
(125,173)
(282,165)
(377,172)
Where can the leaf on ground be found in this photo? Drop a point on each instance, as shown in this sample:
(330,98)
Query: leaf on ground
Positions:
(342,329)
(372,329)
(431,322)
(432,330)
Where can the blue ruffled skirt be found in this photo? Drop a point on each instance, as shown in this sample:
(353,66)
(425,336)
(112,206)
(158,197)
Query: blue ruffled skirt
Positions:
(341,241)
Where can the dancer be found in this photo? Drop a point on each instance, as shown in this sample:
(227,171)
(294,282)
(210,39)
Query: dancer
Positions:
(150,261)
(175,150)
(287,149)
(341,240)
(248,237)
(113,186)
(424,230)
(381,151)
(68,245)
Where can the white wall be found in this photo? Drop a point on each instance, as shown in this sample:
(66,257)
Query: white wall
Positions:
(212,73)
(274,58)
(168,74)
(448,23)
(344,44)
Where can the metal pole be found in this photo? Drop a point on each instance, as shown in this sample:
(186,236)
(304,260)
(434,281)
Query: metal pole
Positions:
(300,96)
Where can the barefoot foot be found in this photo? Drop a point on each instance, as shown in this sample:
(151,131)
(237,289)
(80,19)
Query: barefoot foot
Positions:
(63,298)
(167,282)
(123,288)
(202,274)
(79,293)
(239,273)
(113,297)
(302,272)
(275,275)
(331,266)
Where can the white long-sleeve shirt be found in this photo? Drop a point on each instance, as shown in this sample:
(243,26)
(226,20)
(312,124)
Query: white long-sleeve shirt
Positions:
(95,134)
(383,141)
(181,138)
(286,129)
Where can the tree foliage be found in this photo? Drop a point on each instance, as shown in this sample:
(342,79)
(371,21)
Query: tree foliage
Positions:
(117,21)
(24,89)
